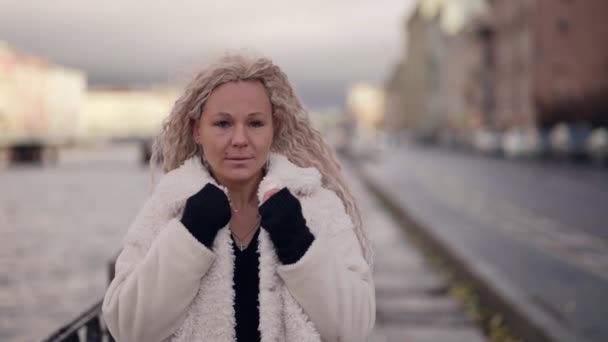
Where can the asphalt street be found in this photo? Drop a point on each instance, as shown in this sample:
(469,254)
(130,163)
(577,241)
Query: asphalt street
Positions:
(542,228)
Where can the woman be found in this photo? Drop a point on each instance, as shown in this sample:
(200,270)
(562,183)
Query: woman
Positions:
(251,235)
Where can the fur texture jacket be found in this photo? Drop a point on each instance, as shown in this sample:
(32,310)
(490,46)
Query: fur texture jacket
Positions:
(170,287)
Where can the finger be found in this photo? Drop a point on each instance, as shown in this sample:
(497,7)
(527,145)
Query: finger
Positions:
(269,194)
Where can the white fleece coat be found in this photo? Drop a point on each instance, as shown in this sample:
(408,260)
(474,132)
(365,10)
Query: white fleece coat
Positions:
(170,287)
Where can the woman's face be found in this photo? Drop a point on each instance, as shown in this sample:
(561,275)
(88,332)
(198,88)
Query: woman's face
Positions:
(236,131)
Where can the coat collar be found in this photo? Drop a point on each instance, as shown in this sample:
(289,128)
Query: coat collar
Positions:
(191,176)
(281,317)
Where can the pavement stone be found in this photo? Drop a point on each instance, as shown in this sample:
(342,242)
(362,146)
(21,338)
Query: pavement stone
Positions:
(428,333)
(412,303)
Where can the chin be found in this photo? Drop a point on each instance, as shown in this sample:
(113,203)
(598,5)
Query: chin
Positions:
(240,175)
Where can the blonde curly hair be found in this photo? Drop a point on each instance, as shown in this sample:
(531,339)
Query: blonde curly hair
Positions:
(294,135)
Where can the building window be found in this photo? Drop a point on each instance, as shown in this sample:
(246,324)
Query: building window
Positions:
(563,25)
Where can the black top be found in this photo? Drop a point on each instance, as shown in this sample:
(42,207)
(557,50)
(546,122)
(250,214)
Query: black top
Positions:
(246,290)
(283,220)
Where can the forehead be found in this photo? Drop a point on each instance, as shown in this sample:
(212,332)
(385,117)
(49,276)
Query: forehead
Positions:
(236,97)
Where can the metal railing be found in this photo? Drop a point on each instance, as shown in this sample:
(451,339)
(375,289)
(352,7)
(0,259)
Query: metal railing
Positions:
(89,326)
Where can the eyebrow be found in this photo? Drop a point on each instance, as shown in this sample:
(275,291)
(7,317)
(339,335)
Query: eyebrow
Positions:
(228,114)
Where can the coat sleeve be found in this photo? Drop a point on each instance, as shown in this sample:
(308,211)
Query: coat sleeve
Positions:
(332,282)
(155,282)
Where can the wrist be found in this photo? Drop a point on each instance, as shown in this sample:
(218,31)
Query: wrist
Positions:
(291,245)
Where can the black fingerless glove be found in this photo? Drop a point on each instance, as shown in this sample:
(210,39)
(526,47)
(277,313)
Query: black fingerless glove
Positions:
(283,220)
(206,212)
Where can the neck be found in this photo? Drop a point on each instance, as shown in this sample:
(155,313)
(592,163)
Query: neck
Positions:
(243,193)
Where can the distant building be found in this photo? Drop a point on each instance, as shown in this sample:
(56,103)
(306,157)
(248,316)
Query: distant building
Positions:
(365,104)
(504,66)
(570,54)
(40,102)
(394,116)
(505,37)
(431,89)
(127,112)
(411,90)
(548,62)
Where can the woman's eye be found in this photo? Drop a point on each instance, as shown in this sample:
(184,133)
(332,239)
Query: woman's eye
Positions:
(221,124)
(257,123)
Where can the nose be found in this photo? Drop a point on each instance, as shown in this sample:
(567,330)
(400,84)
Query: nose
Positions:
(239,139)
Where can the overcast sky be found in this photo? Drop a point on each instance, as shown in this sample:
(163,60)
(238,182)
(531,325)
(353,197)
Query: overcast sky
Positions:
(324,46)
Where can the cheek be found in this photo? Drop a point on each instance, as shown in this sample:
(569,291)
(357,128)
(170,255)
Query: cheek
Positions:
(263,142)
(214,145)
(269,137)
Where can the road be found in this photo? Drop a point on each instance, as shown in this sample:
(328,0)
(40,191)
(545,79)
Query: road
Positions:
(541,227)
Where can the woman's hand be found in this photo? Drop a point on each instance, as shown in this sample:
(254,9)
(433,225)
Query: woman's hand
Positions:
(206,212)
(282,217)
(269,193)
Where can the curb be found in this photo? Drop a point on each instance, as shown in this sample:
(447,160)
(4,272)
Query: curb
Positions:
(495,292)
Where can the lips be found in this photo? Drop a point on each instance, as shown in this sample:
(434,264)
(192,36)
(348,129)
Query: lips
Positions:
(238,158)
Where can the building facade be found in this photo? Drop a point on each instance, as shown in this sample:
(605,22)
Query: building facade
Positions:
(571,61)
(515,70)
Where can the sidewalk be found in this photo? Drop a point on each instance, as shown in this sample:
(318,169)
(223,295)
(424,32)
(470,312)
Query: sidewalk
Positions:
(453,204)
(412,303)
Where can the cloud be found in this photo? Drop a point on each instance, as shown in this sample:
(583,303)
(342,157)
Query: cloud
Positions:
(322,45)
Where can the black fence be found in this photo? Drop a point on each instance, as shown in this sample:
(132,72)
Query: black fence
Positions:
(89,327)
